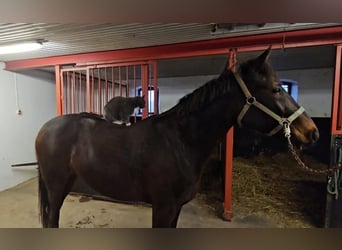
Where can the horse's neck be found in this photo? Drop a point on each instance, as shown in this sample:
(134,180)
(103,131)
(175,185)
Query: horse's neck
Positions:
(203,129)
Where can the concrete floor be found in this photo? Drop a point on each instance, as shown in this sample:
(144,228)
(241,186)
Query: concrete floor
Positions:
(19,209)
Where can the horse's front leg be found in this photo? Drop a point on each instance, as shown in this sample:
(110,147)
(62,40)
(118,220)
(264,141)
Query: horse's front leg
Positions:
(165,215)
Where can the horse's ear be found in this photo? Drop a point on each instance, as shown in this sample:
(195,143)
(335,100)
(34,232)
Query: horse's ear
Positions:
(264,56)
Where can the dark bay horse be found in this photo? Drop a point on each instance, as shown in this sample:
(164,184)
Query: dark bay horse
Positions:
(160,159)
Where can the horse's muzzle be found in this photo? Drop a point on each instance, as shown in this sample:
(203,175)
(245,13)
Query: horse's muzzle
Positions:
(313,135)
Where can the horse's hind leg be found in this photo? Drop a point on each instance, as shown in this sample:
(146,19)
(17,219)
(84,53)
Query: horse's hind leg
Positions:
(165,215)
(56,189)
(56,200)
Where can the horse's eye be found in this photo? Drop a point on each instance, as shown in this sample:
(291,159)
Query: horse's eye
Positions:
(277,90)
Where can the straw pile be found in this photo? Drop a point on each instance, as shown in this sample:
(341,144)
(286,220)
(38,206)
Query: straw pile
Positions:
(272,187)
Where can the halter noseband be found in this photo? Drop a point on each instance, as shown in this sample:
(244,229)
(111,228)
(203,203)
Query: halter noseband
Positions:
(251,100)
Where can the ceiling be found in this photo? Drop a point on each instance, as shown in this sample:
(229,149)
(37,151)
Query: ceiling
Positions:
(67,38)
(288,59)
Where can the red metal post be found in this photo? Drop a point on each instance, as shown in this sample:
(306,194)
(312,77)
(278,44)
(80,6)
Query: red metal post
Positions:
(113,83)
(336,115)
(88,104)
(68,94)
(79,102)
(135,80)
(99,91)
(127,81)
(106,86)
(59,96)
(155,87)
(135,87)
(92,91)
(120,82)
(74,92)
(227,211)
(144,86)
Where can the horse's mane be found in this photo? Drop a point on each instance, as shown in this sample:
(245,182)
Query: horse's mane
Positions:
(204,95)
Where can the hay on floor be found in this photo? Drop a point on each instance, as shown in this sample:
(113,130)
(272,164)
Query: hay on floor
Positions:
(272,187)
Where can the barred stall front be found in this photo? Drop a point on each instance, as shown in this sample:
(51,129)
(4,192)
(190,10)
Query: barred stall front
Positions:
(89,88)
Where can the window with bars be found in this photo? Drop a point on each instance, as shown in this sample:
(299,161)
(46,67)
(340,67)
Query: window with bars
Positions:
(291,87)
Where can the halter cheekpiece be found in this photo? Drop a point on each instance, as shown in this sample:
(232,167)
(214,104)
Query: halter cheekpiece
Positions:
(251,100)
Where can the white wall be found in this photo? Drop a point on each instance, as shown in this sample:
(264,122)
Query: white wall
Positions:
(172,89)
(37,100)
(314,89)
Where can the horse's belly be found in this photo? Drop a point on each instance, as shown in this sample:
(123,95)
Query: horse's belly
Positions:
(117,184)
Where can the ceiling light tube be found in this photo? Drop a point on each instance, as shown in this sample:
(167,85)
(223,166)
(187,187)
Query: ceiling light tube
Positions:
(20,47)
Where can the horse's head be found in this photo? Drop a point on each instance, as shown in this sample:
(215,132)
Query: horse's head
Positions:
(267,106)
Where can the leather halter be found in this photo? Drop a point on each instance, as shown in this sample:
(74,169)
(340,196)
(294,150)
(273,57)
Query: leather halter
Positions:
(251,100)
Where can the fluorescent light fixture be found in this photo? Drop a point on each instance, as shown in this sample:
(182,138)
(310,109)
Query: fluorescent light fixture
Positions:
(20,47)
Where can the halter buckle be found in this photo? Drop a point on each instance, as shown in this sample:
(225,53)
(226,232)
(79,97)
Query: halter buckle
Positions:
(286,127)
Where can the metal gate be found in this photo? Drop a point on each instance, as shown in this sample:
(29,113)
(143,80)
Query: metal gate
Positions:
(333,212)
(336,117)
(88,88)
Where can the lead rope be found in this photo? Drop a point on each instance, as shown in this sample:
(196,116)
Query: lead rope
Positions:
(301,164)
(334,182)
(332,185)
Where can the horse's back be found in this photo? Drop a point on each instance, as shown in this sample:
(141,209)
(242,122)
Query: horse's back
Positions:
(54,128)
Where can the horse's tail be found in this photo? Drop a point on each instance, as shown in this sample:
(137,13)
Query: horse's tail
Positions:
(43,200)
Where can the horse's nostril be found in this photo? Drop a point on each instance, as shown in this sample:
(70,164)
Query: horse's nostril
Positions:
(314,136)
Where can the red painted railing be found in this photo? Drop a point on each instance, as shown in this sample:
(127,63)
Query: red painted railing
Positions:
(336,116)
(89,88)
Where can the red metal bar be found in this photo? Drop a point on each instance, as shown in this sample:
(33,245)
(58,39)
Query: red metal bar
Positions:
(135,80)
(68,94)
(113,83)
(310,37)
(59,96)
(120,82)
(62,93)
(227,211)
(88,104)
(99,91)
(74,100)
(73,69)
(113,63)
(336,116)
(106,86)
(80,96)
(155,87)
(144,86)
(135,87)
(92,90)
(127,82)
